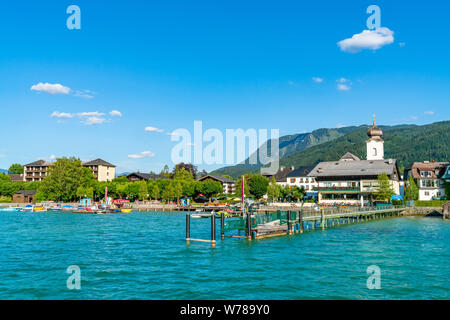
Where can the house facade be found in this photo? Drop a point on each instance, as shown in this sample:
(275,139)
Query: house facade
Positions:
(299,177)
(280,176)
(102,170)
(38,170)
(227,184)
(24,196)
(352,181)
(430,178)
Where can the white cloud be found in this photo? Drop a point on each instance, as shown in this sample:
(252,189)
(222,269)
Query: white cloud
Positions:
(414,118)
(430,113)
(340,125)
(153,129)
(61,115)
(50,88)
(52,157)
(343,87)
(144,154)
(84,94)
(402,44)
(94,120)
(317,79)
(368,39)
(90,114)
(172,133)
(115,113)
(342,80)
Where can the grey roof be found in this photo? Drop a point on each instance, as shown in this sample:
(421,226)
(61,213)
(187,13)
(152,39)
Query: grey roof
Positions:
(218,178)
(27,192)
(300,171)
(349,157)
(354,168)
(98,162)
(147,176)
(39,163)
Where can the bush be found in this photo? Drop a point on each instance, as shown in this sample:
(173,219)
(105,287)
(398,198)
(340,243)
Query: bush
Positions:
(430,203)
(397,202)
(5,199)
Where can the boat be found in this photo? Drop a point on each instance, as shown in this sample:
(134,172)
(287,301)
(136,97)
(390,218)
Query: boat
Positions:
(126,210)
(67,208)
(203,215)
(10,209)
(39,209)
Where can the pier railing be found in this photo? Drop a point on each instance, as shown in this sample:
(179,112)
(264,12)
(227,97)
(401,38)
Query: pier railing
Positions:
(275,223)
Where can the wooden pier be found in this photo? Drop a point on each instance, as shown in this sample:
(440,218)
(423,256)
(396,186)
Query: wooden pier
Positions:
(279,223)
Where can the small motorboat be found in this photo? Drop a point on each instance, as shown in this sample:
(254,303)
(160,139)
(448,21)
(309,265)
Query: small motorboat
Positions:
(126,210)
(10,209)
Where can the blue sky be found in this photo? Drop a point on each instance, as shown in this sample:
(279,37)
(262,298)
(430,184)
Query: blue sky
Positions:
(231,64)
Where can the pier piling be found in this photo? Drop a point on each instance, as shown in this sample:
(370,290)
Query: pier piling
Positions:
(213,230)
(188,227)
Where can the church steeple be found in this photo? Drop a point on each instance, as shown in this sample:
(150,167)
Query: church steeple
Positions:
(375,144)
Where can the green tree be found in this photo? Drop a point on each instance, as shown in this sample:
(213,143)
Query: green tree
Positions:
(210,188)
(285,193)
(143,190)
(85,192)
(258,186)
(411,189)
(384,191)
(182,174)
(178,190)
(168,193)
(63,179)
(15,168)
(238,184)
(297,193)
(155,192)
(273,190)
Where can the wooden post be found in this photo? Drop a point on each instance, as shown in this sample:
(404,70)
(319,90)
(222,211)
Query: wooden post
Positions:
(222,225)
(322,222)
(300,220)
(289,231)
(249,227)
(188,227)
(213,230)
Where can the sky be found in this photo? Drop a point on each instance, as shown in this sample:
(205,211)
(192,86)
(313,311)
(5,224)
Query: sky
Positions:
(137,70)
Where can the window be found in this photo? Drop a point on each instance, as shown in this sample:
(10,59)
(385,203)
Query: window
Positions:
(427,193)
(293,180)
(374,152)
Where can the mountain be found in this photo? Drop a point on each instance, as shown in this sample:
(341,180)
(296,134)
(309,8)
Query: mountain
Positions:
(288,145)
(406,143)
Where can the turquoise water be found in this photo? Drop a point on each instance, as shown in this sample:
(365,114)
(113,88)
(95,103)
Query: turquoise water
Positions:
(144,256)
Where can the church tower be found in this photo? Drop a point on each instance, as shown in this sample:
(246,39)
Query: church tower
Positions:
(375,144)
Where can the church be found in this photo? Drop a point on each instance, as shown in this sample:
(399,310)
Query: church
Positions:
(351,180)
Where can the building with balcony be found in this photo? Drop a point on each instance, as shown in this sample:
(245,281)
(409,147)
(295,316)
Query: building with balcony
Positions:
(36,171)
(430,178)
(280,176)
(299,177)
(353,181)
(102,170)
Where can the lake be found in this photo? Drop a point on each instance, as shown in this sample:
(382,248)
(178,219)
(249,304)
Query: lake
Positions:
(144,255)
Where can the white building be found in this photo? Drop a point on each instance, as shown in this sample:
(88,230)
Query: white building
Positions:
(353,181)
(299,177)
(429,177)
